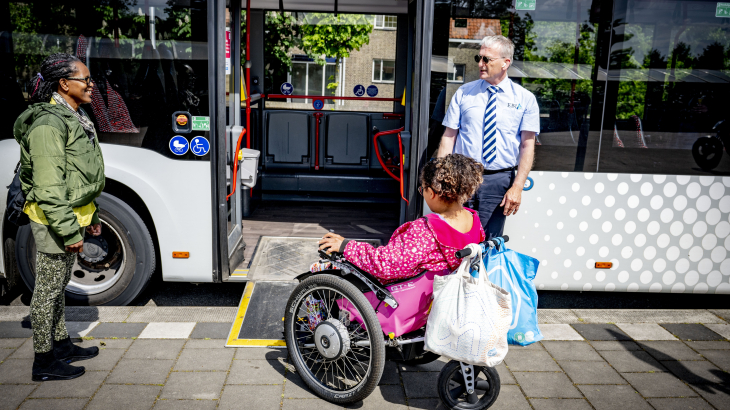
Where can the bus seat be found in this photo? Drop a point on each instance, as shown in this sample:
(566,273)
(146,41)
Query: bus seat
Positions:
(287,140)
(347,139)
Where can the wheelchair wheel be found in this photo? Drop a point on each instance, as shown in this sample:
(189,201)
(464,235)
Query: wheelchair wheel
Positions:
(452,387)
(340,359)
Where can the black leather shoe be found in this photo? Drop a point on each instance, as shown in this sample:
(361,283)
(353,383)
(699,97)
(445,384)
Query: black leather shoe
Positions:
(68,352)
(46,367)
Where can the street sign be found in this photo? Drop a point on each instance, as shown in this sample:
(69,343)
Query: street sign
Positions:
(201,123)
(318,104)
(372,91)
(179,145)
(359,90)
(525,4)
(723,10)
(200,146)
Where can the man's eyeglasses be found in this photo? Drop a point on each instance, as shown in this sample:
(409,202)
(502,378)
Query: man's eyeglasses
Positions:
(87,80)
(485,59)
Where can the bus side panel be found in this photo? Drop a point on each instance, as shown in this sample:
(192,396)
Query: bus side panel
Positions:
(9,157)
(177,195)
(662,233)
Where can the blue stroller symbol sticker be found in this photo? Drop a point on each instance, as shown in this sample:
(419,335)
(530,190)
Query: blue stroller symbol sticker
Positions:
(359,90)
(179,145)
(199,146)
(372,91)
(286,88)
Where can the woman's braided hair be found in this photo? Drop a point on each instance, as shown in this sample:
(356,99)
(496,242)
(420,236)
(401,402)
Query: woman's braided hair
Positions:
(454,178)
(53,68)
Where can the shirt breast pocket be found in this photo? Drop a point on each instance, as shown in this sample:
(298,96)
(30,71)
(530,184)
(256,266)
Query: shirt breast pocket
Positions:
(509,120)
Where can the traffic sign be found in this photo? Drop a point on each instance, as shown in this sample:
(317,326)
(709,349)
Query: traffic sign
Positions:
(372,91)
(359,90)
(201,123)
(526,4)
(723,10)
(286,88)
(318,104)
(199,146)
(179,145)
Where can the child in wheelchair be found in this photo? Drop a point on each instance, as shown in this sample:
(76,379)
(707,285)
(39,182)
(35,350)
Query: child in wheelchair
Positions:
(362,305)
(428,243)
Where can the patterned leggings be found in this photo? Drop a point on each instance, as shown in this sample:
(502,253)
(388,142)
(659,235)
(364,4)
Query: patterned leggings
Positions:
(53,271)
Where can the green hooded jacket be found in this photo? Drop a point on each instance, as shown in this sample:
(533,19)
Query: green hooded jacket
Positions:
(60,167)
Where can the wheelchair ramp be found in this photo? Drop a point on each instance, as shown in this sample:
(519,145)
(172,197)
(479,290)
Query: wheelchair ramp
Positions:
(271,280)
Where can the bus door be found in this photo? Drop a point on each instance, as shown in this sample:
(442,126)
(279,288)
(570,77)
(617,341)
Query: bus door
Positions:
(332,125)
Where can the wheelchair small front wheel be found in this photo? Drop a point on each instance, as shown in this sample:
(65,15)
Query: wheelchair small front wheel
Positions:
(334,339)
(452,387)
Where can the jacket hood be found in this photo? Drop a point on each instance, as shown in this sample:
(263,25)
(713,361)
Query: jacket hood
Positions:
(448,236)
(32,114)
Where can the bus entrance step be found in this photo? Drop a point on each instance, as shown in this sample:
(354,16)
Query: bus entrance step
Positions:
(258,321)
(285,258)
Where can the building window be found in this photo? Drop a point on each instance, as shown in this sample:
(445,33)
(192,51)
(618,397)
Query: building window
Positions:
(310,78)
(383,71)
(456,74)
(386,22)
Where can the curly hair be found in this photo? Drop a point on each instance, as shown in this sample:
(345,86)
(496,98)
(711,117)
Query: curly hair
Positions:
(53,68)
(454,178)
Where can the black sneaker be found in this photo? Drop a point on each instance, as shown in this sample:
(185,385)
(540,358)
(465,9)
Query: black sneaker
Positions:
(68,352)
(46,367)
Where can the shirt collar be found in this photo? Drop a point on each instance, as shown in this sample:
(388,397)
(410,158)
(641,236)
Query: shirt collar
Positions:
(505,85)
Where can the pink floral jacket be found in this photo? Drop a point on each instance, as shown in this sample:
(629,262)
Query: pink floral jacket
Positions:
(427,243)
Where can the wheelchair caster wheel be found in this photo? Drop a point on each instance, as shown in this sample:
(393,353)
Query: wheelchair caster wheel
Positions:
(453,386)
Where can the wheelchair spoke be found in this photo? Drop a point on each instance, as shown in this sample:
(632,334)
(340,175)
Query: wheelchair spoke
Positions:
(482,385)
(457,392)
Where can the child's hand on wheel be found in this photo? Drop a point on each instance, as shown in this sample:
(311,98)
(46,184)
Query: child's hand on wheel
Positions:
(331,241)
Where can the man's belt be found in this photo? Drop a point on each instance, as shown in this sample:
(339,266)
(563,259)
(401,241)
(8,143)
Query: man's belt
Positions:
(496,171)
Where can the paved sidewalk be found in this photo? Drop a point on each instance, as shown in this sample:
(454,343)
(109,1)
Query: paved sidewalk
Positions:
(183,365)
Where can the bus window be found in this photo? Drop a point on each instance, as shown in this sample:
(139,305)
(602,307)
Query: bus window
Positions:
(555,59)
(324,54)
(147,59)
(668,81)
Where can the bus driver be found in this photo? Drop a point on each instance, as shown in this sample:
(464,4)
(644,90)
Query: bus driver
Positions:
(495,122)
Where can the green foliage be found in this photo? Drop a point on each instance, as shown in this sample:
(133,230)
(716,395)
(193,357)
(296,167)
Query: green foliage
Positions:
(280,36)
(328,35)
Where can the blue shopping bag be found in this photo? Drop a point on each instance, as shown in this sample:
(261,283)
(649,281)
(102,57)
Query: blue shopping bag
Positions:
(515,272)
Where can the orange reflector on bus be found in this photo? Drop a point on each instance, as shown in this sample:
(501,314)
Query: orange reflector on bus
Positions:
(181,255)
(604,265)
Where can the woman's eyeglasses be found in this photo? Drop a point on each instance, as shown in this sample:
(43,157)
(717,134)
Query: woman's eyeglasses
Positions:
(485,59)
(420,190)
(87,80)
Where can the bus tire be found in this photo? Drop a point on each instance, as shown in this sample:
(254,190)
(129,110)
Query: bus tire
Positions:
(130,259)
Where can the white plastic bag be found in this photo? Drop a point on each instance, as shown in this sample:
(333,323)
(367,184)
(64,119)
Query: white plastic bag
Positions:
(469,317)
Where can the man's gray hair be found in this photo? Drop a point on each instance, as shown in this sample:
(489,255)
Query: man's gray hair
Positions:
(502,44)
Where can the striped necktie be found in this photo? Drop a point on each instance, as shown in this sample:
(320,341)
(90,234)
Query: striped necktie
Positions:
(489,149)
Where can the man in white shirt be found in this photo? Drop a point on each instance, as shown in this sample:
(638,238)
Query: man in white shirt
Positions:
(494,121)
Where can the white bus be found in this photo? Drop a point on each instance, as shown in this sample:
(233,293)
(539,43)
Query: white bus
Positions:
(630,171)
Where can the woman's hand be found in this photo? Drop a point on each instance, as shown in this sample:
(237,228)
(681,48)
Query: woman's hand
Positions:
(76,248)
(94,230)
(331,241)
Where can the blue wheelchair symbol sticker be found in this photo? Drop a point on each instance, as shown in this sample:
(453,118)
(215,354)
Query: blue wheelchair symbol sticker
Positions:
(199,146)
(318,104)
(286,88)
(359,90)
(372,91)
(179,145)
(528,184)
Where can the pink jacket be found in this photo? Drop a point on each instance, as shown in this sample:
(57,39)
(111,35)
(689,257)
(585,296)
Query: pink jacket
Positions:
(424,244)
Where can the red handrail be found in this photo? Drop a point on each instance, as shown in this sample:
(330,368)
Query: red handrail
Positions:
(402,158)
(326,97)
(317,115)
(235,163)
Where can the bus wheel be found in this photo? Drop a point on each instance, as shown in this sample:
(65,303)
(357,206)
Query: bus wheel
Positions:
(114,268)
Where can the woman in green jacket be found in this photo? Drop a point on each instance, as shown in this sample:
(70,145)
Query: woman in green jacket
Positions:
(62,173)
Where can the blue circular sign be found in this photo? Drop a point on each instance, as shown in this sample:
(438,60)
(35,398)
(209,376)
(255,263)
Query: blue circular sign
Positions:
(286,88)
(359,90)
(179,145)
(199,146)
(318,104)
(372,91)
(528,184)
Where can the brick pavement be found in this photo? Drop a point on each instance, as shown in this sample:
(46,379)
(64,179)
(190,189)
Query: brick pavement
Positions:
(183,365)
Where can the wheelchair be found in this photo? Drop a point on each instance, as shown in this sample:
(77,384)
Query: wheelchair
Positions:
(338,347)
